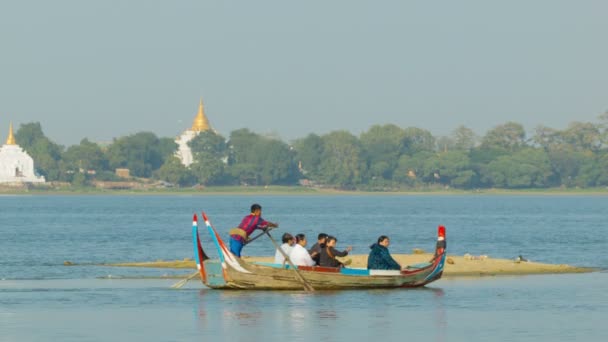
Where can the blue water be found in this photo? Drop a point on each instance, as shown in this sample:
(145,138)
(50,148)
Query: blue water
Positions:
(42,300)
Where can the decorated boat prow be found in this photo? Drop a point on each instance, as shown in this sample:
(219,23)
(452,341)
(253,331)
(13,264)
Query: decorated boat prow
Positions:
(231,272)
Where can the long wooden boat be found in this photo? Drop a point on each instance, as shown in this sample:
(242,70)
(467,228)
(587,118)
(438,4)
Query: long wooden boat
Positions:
(231,272)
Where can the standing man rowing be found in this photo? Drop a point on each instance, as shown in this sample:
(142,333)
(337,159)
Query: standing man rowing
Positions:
(251,222)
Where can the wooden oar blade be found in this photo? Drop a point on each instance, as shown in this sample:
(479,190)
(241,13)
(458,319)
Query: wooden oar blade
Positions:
(183,282)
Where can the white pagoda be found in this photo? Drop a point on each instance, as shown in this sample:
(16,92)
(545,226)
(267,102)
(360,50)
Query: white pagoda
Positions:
(200,124)
(16,166)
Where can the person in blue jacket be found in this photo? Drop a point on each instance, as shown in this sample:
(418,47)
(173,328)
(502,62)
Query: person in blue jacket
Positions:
(380,258)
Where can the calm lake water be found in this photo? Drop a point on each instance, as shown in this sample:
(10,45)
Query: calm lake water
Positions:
(42,300)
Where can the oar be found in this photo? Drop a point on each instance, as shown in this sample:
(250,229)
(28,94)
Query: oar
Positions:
(306,285)
(183,282)
(257,236)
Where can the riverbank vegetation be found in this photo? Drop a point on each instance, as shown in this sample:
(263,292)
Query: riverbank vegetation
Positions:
(383,158)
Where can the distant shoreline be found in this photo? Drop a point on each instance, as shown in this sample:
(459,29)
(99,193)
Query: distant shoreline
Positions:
(295,190)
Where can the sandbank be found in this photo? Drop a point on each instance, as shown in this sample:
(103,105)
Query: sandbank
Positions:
(457,266)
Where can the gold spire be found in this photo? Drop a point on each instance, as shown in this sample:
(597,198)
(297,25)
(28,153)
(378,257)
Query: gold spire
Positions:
(200,121)
(11,138)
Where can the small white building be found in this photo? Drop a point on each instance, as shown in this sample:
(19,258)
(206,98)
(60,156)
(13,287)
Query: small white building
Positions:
(16,166)
(199,125)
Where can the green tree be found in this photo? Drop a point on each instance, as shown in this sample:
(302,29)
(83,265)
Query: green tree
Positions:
(603,127)
(545,137)
(602,164)
(417,140)
(405,172)
(241,143)
(464,138)
(527,168)
(258,160)
(510,136)
(166,148)
(445,144)
(141,153)
(589,171)
(582,136)
(277,164)
(342,161)
(566,163)
(207,168)
(210,153)
(454,168)
(79,179)
(211,143)
(308,153)
(85,156)
(173,171)
(382,146)
(45,153)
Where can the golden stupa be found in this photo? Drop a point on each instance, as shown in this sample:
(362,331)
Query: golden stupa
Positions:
(11,138)
(200,121)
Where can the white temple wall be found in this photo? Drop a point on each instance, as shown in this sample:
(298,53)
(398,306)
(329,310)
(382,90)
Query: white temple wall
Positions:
(17,166)
(184,153)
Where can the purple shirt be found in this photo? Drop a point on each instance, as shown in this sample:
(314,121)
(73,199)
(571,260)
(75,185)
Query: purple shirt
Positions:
(249,224)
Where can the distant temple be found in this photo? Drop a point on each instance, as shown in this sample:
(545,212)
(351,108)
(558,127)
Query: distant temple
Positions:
(200,124)
(16,166)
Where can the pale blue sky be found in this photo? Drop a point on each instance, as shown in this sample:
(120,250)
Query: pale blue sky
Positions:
(104,69)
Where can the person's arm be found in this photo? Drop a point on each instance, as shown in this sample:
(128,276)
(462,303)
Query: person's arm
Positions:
(313,249)
(263,224)
(309,261)
(338,253)
(392,263)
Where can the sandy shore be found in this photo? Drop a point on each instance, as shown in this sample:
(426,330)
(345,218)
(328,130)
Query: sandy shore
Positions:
(456,266)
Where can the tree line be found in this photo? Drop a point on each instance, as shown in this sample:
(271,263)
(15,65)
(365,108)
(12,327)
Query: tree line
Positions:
(385,157)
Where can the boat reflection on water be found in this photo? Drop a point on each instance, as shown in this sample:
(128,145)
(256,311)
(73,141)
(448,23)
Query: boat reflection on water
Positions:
(247,314)
(440,315)
(295,312)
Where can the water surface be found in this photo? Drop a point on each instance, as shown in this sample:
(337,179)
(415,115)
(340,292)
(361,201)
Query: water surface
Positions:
(42,300)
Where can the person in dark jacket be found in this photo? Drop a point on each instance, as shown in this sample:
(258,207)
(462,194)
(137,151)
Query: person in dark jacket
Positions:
(315,250)
(380,258)
(329,253)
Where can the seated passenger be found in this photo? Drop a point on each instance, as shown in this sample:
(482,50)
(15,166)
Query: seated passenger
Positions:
(286,247)
(380,258)
(315,250)
(299,255)
(329,253)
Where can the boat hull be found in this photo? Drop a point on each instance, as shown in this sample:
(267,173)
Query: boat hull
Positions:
(271,278)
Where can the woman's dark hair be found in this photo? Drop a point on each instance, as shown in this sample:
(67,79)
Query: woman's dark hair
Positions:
(255,207)
(300,237)
(322,236)
(382,238)
(330,239)
(286,237)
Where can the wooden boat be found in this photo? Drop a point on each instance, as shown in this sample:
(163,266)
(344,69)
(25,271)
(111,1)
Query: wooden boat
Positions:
(231,272)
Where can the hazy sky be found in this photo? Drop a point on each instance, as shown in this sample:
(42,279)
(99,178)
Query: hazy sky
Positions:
(104,69)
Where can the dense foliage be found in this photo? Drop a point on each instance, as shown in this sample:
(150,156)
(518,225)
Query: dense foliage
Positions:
(386,157)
